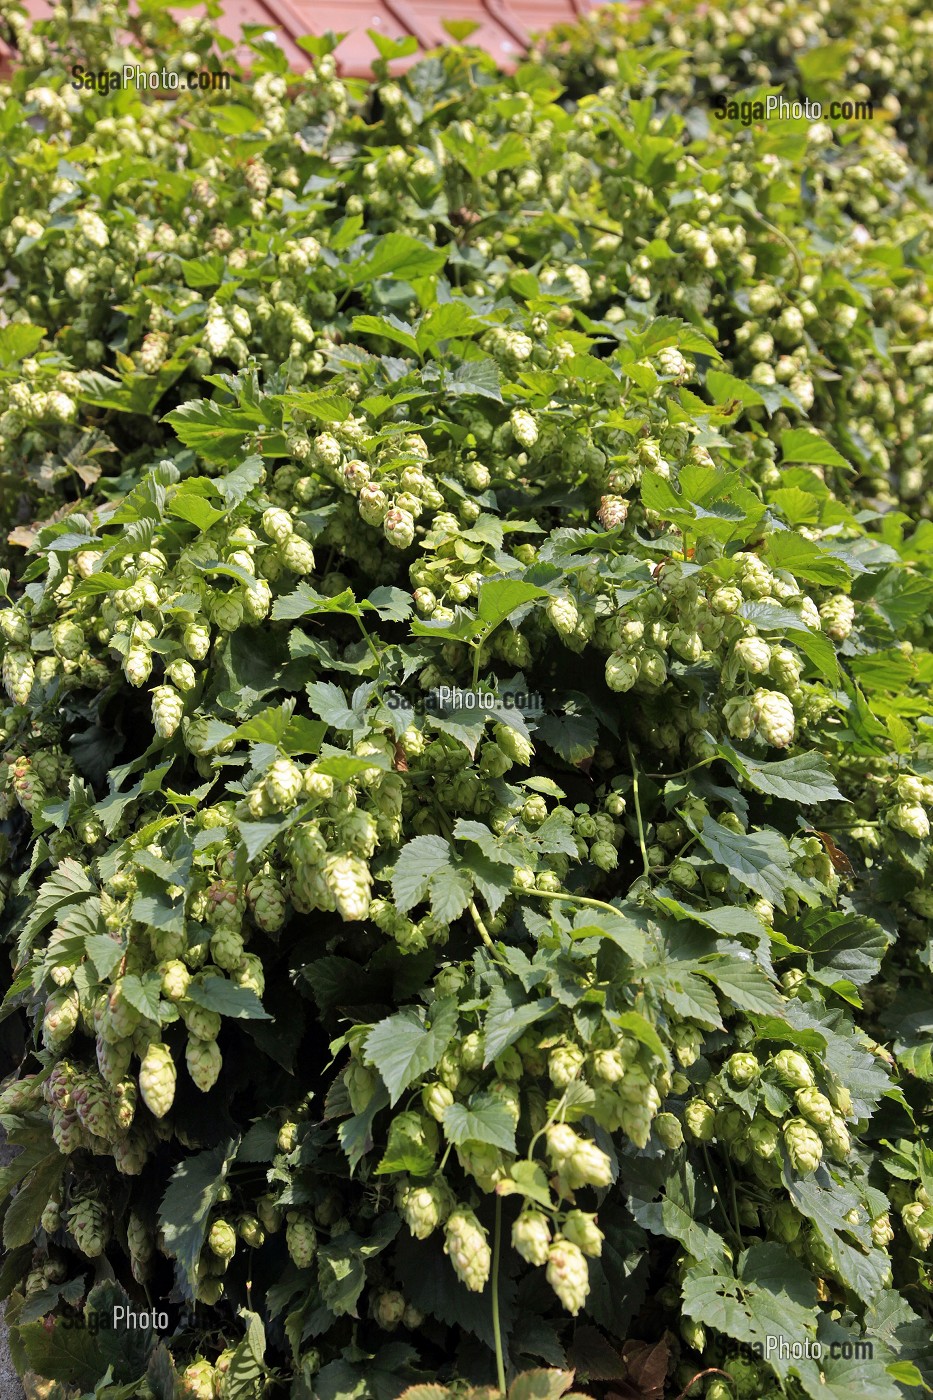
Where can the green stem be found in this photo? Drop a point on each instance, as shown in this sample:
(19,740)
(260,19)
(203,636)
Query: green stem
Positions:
(477,653)
(641,825)
(484,933)
(575,899)
(496,1328)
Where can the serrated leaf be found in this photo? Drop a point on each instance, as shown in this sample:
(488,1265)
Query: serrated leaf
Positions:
(227,999)
(400,255)
(507,1016)
(485,1119)
(189,1199)
(143,994)
(408,1044)
(805,445)
(502,597)
(805,777)
(425,870)
(540,1385)
(758,859)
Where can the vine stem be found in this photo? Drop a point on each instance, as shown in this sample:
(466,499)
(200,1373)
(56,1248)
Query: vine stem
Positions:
(484,933)
(574,899)
(638,818)
(496,1327)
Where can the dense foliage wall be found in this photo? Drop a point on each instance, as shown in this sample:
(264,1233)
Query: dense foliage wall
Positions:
(574,1036)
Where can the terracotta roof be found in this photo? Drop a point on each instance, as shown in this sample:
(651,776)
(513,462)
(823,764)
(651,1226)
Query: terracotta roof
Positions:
(505,26)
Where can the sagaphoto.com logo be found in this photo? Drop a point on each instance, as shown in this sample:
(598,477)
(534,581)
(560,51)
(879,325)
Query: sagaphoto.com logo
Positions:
(773,107)
(146,79)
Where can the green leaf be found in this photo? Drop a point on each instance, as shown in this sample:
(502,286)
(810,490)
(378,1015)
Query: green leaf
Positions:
(215,431)
(804,445)
(68,884)
(227,999)
(25,1210)
(499,599)
(143,994)
(805,778)
(745,983)
(247,1371)
(771,1295)
(540,1385)
(486,1119)
(528,1179)
(425,870)
(400,255)
(17,340)
(507,1017)
(842,946)
(760,860)
(472,378)
(389,328)
(806,559)
(189,1199)
(405,1046)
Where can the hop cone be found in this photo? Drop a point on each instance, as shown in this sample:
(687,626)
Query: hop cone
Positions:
(157,1079)
(89,1226)
(301,1239)
(465,1243)
(204,1061)
(568,1274)
(531,1236)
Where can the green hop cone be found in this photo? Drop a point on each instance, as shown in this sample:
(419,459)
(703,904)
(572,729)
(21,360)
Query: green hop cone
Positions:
(398,527)
(68,639)
(349,879)
(669,1131)
(568,1274)
(137,665)
(699,1120)
(388,1308)
(531,1237)
(251,1231)
(565,1064)
(18,674)
(792,1069)
(763,1138)
(361,1082)
(197,640)
(176,979)
(465,1244)
(221,1239)
(226,949)
(836,1137)
(881,1232)
(436,1099)
(60,1018)
(563,614)
(912,1215)
(514,745)
(774,718)
(267,903)
(621,672)
(742,1069)
(196,1382)
(909,818)
(204,1061)
(301,1239)
(803,1145)
(581,1229)
(157,1079)
(277,524)
(524,427)
(89,1226)
(815,1107)
(282,784)
(424,1206)
(168,708)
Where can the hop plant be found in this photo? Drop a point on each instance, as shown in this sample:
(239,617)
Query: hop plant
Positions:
(301,1239)
(204,1061)
(167,710)
(349,880)
(531,1236)
(465,1243)
(221,1239)
(89,1225)
(804,1147)
(581,1229)
(157,1079)
(568,1274)
(792,1069)
(424,1206)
